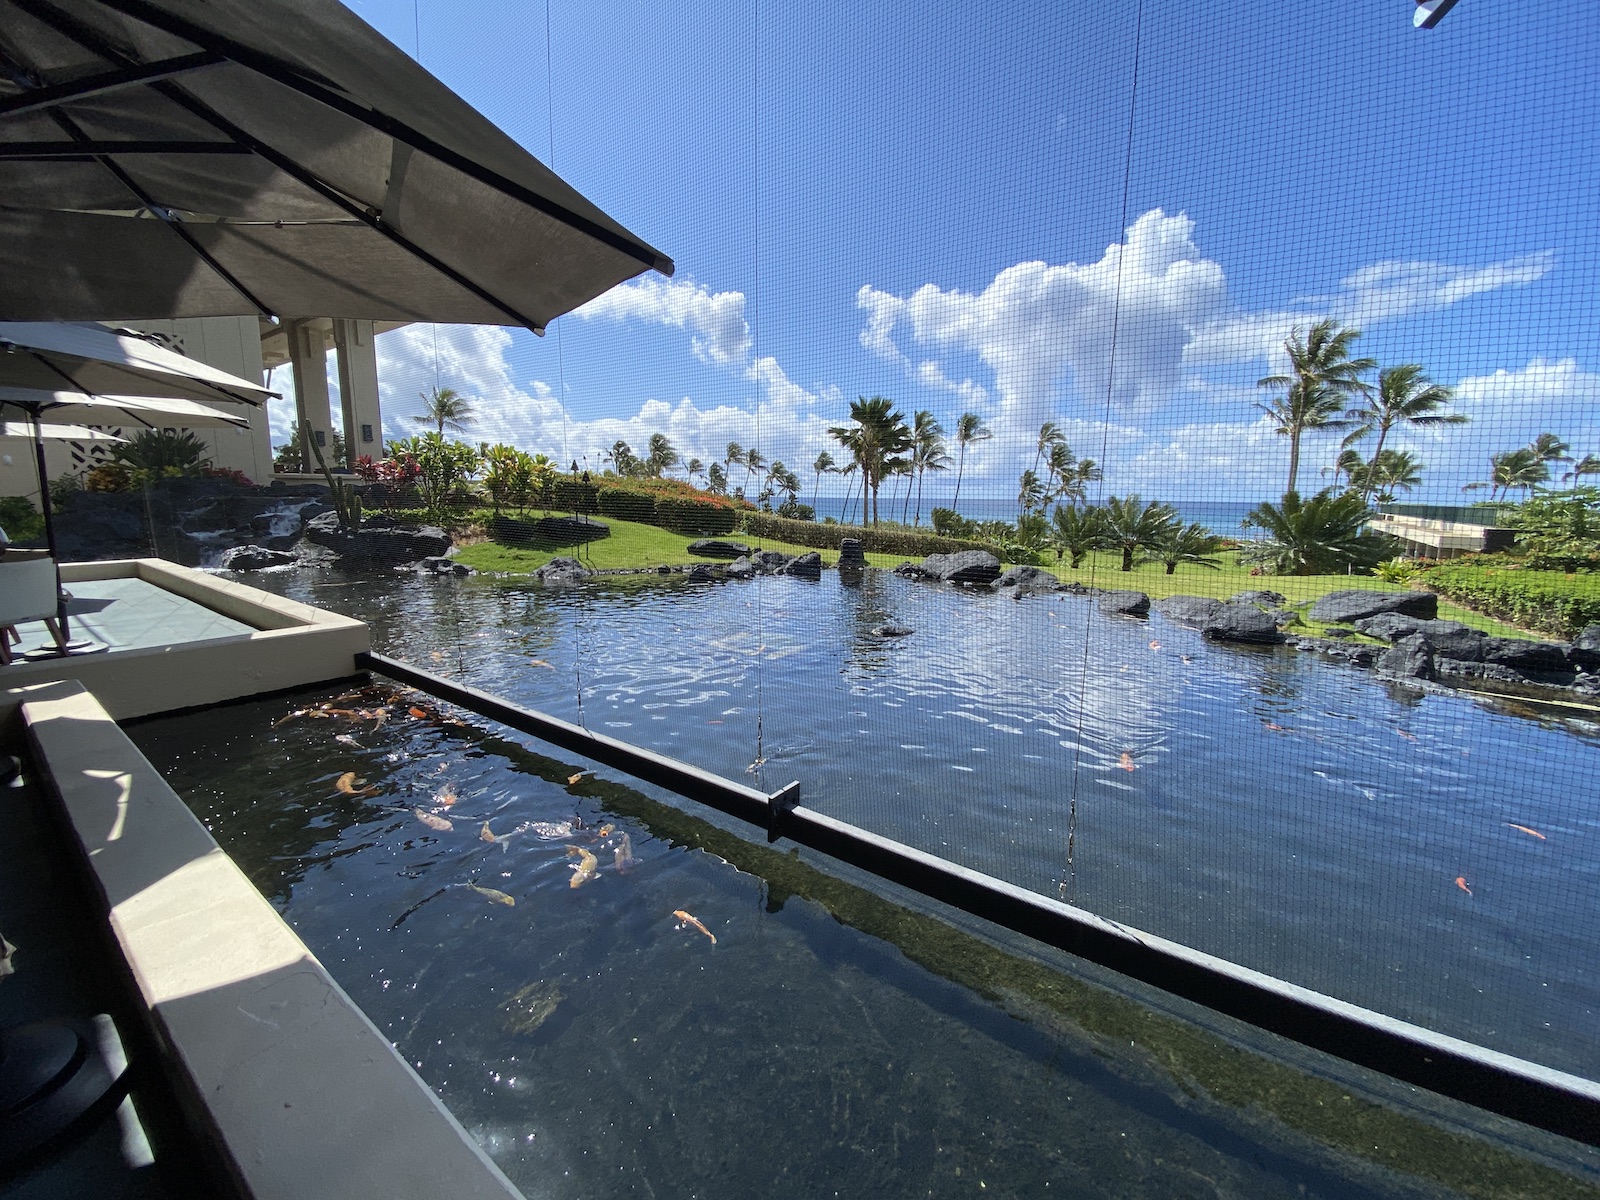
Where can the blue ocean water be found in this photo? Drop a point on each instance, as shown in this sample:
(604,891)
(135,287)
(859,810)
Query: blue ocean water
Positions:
(1219,516)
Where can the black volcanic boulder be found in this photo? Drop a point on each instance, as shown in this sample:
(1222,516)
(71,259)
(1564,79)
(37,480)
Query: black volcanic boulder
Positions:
(1267,599)
(1124,604)
(770,562)
(1524,655)
(851,553)
(1191,610)
(375,544)
(909,570)
(969,567)
(1029,581)
(1449,639)
(805,566)
(891,631)
(1409,658)
(1343,608)
(717,548)
(547,531)
(1240,623)
(254,558)
(740,568)
(562,571)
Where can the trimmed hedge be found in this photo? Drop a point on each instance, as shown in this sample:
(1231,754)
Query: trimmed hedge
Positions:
(574,495)
(704,518)
(1548,601)
(628,504)
(879,541)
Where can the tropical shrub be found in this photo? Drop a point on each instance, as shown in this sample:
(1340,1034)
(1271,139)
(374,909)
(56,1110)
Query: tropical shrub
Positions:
(1325,535)
(572,494)
(1193,544)
(1130,526)
(707,516)
(1550,601)
(1074,532)
(444,470)
(163,454)
(1398,570)
(108,477)
(1559,531)
(18,517)
(881,540)
(390,481)
(627,504)
(508,476)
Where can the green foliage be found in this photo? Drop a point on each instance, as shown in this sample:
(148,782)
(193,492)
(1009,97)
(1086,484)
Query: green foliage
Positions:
(163,454)
(1192,543)
(64,489)
(1075,532)
(288,459)
(886,539)
(575,495)
(1398,570)
(704,516)
(21,521)
(1559,531)
(628,504)
(508,476)
(445,471)
(1130,526)
(108,477)
(1321,536)
(1549,601)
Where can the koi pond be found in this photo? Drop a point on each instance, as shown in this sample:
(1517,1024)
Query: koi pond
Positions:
(619,997)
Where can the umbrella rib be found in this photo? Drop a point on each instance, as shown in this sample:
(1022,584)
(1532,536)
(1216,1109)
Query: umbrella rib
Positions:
(88,86)
(287,75)
(26,151)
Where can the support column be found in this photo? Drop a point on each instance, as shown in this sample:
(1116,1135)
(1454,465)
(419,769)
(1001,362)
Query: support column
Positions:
(308,356)
(358,389)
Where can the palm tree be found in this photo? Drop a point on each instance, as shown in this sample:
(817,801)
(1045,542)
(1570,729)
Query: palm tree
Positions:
(1550,448)
(1350,464)
(1521,468)
(445,406)
(1075,531)
(734,457)
(755,463)
(1387,471)
(927,451)
(784,480)
(1030,494)
(823,466)
(1073,478)
(717,479)
(847,470)
(660,456)
(1321,375)
(1050,436)
(1324,535)
(693,467)
(878,436)
(970,429)
(1130,525)
(1589,464)
(1192,543)
(622,458)
(1404,396)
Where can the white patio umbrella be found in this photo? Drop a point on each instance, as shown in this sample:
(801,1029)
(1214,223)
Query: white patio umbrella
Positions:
(57,433)
(51,356)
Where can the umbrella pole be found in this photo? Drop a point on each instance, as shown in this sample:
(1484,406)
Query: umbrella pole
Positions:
(48,510)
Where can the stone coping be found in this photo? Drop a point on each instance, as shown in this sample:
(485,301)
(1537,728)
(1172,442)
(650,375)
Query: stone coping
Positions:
(293,645)
(296,1089)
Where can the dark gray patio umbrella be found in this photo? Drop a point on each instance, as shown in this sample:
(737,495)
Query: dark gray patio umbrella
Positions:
(171,158)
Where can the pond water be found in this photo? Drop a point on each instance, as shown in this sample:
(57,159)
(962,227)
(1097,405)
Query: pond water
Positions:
(1287,813)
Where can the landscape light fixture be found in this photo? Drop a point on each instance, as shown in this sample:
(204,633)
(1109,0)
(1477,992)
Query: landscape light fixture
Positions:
(1430,12)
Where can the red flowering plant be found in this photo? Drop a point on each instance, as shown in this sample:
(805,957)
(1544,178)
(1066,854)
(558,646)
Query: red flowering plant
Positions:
(388,480)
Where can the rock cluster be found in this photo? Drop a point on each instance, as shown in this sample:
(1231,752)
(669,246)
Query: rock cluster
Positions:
(547,531)
(376,542)
(1448,651)
(1235,620)
(718,548)
(969,568)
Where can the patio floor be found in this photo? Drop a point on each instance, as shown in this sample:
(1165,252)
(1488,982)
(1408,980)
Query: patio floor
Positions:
(132,614)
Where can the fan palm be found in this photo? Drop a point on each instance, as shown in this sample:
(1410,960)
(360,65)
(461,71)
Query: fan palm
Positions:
(443,407)
(1404,396)
(970,430)
(1321,376)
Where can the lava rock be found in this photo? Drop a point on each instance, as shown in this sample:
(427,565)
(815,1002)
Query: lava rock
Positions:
(717,548)
(1240,623)
(740,568)
(440,565)
(908,570)
(701,573)
(891,631)
(770,562)
(254,558)
(1124,604)
(1585,648)
(1409,658)
(1029,581)
(1346,607)
(968,567)
(852,554)
(376,543)
(804,566)
(1267,599)
(562,571)
(1524,655)
(1191,610)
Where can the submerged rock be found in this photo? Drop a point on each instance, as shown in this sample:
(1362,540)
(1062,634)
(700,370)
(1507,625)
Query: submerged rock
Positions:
(440,565)
(1343,608)
(1124,604)
(1029,581)
(968,567)
(891,631)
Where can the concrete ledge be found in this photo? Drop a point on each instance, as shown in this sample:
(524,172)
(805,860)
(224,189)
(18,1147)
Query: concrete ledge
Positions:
(294,645)
(300,1092)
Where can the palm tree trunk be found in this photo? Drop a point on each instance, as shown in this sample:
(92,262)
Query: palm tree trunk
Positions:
(961,466)
(1294,460)
(1372,483)
(920,474)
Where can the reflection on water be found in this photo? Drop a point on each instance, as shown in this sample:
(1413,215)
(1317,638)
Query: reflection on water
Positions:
(1290,814)
(578,1017)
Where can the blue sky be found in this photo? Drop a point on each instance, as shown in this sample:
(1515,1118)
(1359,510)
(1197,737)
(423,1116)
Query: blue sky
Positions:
(927,202)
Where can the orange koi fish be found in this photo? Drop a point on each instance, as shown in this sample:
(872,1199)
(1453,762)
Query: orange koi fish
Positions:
(1126,761)
(1410,737)
(572,779)
(436,656)
(1155,645)
(689,919)
(623,855)
(344,739)
(1529,832)
(585,869)
(485,834)
(446,796)
(417,712)
(432,821)
(349,785)
(539,662)
(1461,882)
(497,896)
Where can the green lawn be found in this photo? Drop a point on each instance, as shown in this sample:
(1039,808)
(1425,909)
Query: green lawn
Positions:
(635,545)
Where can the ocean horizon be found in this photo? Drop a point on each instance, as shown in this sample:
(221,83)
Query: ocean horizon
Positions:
(1221,517)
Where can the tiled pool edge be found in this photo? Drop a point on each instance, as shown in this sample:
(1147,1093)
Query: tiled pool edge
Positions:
(293,645)
(300,1092)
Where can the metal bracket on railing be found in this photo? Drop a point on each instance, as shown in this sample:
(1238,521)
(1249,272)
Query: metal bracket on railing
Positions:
(780,802)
